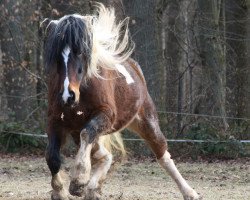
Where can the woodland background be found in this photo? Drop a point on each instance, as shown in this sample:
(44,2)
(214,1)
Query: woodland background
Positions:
(195,55)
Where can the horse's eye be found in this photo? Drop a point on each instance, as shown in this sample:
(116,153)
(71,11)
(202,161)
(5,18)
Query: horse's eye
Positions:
(79,70)
(79,54)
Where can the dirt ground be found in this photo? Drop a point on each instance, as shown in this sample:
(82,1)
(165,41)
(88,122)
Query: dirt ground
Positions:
(26,178)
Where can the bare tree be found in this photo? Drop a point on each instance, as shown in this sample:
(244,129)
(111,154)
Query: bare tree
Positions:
(144,31)
(213,56)
(236,37)
(17,79)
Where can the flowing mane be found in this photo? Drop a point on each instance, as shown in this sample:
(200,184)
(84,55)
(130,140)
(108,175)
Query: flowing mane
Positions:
(111,44)
(104,42)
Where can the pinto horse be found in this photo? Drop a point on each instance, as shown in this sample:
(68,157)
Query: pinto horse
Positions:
(96,89)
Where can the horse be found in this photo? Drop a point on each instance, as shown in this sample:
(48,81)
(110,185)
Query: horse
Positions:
(96,89)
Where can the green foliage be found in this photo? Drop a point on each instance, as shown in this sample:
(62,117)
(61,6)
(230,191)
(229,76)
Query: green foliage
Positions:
(240,129)
(224,147)
(12,142)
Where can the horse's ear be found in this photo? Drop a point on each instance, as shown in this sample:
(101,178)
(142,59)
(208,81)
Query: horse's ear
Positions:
(45,26)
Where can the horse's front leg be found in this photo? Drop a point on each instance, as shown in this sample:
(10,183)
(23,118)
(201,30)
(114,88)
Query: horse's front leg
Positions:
(82,168)
(54,163)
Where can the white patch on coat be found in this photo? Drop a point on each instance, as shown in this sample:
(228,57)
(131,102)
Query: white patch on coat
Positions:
(168,164)
(65,55)
(62,116)
(125,73)
(79,112)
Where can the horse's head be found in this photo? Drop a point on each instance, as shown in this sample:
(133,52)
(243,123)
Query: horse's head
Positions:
(67,49)
(76,47)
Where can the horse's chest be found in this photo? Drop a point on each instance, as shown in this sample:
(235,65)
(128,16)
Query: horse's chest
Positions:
(74,119)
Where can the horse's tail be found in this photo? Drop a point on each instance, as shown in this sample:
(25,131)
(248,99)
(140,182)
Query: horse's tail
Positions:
(114,141)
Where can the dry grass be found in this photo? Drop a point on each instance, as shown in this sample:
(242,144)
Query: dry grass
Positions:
(28,178)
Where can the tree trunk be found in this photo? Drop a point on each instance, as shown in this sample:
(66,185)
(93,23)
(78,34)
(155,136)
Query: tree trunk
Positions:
(144,31)
(180,57)
(237,18)
(118,5)
(213,57)
(16,82)
(57,8)
(3,99)
(248,63)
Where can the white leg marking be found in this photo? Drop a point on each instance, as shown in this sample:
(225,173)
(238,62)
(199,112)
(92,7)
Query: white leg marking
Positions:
(82,168)
(65,55)
(125,73)
(168,164)
(100,169)
(59,190)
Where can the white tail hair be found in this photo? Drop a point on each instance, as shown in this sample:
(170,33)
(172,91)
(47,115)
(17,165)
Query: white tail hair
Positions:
(110,40)
(112,142)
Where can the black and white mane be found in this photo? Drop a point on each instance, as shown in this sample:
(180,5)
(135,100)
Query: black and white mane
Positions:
(70,31)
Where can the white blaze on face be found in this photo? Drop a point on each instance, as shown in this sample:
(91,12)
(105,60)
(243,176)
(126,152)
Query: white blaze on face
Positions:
(65,55)
(125,73)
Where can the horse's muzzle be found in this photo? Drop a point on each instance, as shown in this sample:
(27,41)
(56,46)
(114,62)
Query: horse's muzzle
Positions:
(71,98)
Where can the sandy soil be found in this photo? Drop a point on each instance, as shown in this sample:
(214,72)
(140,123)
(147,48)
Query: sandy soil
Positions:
(26,178)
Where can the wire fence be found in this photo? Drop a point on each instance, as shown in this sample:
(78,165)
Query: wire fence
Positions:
(205,115)
(245,141)
(134,139)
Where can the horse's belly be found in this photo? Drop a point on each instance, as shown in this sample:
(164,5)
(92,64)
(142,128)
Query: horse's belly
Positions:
(125,116)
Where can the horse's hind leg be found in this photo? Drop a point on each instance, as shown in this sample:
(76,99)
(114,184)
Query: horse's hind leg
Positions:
(101,163)
(147,126)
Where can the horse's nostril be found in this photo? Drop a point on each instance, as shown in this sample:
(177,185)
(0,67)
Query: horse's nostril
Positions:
(71,98)
(72,95)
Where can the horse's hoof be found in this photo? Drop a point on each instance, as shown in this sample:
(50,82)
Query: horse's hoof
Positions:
(192,195)
(192,198)
(61,196)
(55,197)
(92,194)
(76,189)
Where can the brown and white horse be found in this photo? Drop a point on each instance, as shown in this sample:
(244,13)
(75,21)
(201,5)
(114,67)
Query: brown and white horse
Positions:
(96,89)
